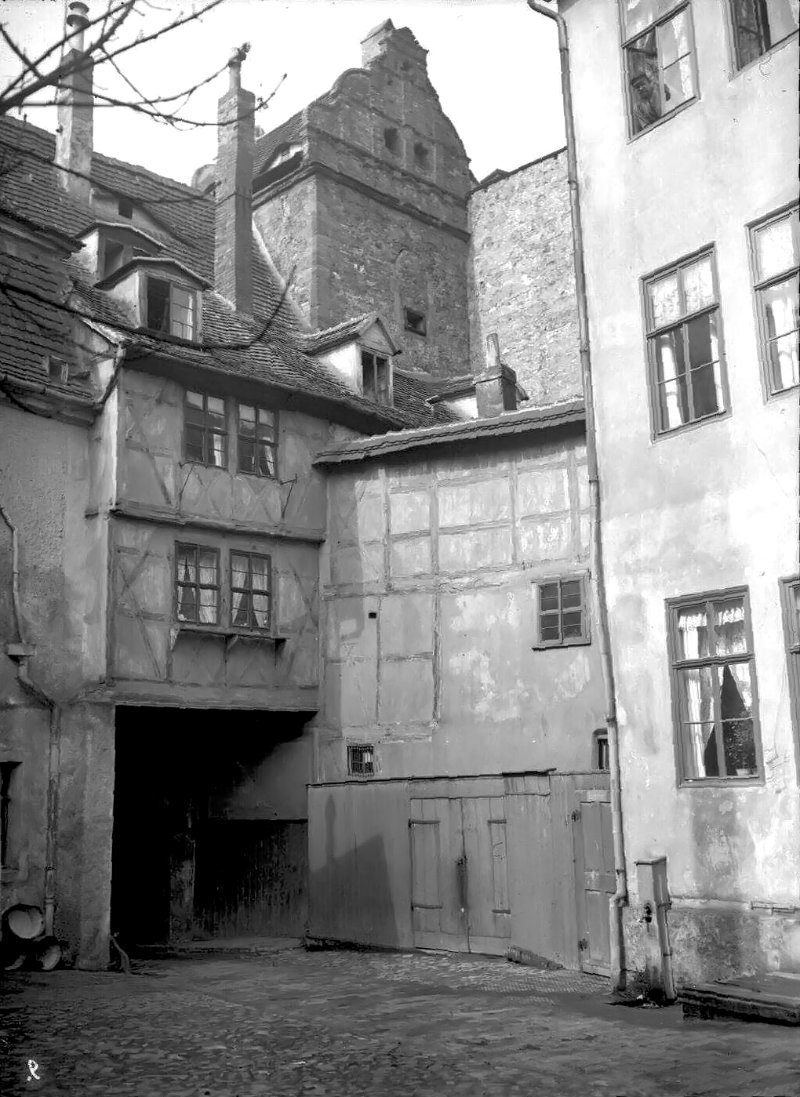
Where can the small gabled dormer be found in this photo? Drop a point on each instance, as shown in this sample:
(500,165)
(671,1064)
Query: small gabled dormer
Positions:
(164,295)
(361,352)
(111,245)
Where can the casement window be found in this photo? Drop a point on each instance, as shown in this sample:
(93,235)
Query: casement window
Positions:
(251,590)
(257,440)
(790,598)
(360,759)
(714,686)
(658,45)
(776,262)
(171,308)
(196,584)
(415,321)
(205,435)
(375,377)
(684,341)
(758,25)
(562,615)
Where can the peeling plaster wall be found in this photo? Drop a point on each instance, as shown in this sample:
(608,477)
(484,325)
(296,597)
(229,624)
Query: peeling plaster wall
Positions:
(707,508)
(429,612)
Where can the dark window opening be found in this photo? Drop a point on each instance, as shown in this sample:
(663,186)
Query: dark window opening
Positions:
(415,321)
(125,207)
(659,62)
(422,156)
(251,590)
(7,779)
(391,138)
(375,377)
(601,756)
(170,308)
(257,441)
(758,25)
(205,437)
(562,617)
(360,759)
(113,257)
(196,584)
(58,370)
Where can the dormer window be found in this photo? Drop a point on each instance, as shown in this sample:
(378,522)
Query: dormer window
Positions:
(170,308)
(375,377)
(125,208)
(114,255)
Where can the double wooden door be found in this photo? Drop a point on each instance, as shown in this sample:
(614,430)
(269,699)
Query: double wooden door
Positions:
(459,874)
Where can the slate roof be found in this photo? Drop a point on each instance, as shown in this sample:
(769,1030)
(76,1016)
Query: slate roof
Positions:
(273,352)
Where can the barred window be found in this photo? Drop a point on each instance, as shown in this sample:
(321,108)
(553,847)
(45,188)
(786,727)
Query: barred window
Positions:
(360,759)
(257,441)
(776,259)
(197,584)
(758,25)
(251,590)
(562,617)
(713,670)
(658,44)
(205,434)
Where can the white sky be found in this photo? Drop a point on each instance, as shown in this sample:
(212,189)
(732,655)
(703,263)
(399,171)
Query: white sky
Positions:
(494,64)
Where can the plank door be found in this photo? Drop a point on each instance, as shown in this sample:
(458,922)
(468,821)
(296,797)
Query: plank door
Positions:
(595,879)
(438,876)
(486,854)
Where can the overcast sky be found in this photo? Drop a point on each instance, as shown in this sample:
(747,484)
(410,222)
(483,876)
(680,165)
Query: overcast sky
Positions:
(494,64)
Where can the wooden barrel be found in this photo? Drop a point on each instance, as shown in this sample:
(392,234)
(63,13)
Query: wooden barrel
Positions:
(25,922)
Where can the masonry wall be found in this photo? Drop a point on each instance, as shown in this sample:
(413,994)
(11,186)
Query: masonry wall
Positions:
(521,279)
(285,218)
(429,613)
(701,509)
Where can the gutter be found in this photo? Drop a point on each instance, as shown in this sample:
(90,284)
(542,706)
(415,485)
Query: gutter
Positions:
(620,897)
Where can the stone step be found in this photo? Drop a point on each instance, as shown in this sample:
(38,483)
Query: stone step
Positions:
(774,997)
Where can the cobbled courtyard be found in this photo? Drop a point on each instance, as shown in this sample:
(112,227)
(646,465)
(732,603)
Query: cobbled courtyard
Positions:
(342,1024)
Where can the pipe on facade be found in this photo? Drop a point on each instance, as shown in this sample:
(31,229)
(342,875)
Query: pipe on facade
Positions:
(620,896)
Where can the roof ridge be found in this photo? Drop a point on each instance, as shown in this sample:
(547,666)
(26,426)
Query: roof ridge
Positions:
(128,164)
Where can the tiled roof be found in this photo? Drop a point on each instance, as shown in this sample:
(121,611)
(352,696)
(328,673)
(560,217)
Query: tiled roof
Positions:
(287,133)
(29,187)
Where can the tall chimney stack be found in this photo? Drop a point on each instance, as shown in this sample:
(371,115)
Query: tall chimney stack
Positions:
(233,228)
(74,137)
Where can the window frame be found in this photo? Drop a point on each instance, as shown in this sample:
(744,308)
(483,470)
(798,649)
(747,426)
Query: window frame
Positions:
(761,284)
(256,441)
(791,632)
(179,584)
(382,394)
(673,608)
(207,431)
(255,629)
(361,748)
(173,285)
(568,641)
(650,335)
(734,43)
(626,41)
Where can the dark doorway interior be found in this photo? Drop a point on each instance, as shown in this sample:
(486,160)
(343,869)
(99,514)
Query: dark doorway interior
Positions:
(198,851)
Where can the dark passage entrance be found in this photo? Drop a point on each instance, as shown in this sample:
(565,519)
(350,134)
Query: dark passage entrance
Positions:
(210,833)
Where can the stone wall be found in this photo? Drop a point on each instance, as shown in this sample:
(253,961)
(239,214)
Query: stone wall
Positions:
(521,279)
(285,220)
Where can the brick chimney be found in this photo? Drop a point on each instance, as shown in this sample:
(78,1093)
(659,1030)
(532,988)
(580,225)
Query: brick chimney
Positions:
(74,136)
(233,228)
(496,386)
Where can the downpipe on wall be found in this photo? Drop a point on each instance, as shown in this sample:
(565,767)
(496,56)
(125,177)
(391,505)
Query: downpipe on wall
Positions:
(620,897)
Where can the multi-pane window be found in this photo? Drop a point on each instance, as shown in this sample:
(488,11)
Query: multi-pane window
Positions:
(758,25)
(562,617)
(196,584)
(776,258)
(790,596)
(375,376)
(659,59)
(171,308)
(257,440)
(250,590)
(684,338)
(714,686)
(360,759)
(205,434)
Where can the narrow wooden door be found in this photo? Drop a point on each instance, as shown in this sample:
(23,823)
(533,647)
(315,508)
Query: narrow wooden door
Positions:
(485,850)
(438,880)
(595,880)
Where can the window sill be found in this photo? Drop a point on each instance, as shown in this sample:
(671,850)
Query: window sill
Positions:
(202,464)
(231,634)
(791,390)
(581,641)
(194,343)
(696,424)
(749,781)
(664,118)
(764,56)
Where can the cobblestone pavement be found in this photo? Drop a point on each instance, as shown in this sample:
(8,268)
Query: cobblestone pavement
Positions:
(343,1024)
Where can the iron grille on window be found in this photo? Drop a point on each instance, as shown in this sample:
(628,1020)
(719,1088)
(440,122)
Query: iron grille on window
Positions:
(251,590)
(776,258)
(197,584)
(257,441)
(684,338)
(170,308)
(360,759)
(562,613)
(375,377)
(659,59)
(205,434)
(714,686)
(758,25)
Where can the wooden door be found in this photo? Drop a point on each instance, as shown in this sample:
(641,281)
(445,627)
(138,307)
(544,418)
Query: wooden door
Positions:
(438,881)
(486,864)
(595,878)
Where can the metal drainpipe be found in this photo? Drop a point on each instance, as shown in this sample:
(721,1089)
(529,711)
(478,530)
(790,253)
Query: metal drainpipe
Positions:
(620,896)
